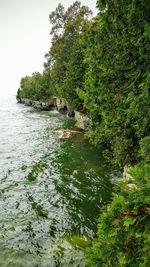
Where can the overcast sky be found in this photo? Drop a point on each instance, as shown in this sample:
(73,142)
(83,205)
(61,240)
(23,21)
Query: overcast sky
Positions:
(25,38)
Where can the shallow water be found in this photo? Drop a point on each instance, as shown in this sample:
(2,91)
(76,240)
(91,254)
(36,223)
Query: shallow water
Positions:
(49,189)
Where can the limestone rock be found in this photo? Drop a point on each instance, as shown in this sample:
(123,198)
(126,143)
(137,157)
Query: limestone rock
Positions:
(82,121)
(61,105)
(36,104)
(48,105)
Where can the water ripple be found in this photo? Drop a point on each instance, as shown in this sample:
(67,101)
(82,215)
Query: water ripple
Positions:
(49,189)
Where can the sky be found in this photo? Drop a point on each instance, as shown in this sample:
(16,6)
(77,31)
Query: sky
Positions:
(25,38)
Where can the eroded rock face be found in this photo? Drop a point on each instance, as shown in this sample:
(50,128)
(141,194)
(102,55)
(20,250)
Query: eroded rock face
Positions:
(63,107)
(53,102)
(49,105)
(82,121)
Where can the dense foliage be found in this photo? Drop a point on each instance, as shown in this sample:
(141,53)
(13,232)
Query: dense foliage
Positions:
(124,226)
(35,87)
(117,81)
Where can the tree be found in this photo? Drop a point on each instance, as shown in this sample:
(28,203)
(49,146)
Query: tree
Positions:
(66,28)
(35,87)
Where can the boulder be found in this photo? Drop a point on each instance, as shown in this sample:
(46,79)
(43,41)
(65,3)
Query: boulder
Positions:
(82,121)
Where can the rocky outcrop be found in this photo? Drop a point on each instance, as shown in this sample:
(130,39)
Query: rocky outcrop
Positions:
(54,102)
(26,102)
(48,105)
(82,121)
(37,104)
(60,104)
(63,107)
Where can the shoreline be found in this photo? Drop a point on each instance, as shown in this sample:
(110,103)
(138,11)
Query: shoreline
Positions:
(61,105)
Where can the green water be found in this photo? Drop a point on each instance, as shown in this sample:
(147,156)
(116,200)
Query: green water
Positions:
(50,190)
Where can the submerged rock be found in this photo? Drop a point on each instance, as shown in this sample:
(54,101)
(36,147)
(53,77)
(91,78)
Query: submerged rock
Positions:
(66,134)
(79,241)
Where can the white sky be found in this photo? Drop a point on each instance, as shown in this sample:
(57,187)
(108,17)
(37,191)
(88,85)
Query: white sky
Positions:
(25,38)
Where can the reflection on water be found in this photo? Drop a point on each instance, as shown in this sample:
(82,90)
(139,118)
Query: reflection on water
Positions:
(49,189)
